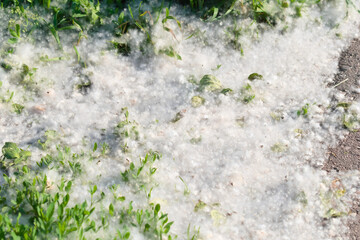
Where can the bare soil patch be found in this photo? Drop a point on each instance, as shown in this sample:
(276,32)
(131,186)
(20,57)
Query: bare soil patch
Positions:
(347,79)
(346,155)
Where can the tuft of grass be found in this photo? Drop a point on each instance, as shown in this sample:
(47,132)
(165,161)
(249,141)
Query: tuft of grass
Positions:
(33,208)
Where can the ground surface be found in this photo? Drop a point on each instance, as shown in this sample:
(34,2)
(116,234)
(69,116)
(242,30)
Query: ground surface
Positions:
(239,134)
(346,155)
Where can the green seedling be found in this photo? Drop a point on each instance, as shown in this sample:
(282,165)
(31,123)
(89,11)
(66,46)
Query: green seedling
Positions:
(135,172)
(214,13)
(104,148)
(50,137)
(332,201)
(186,189)
(171,53)
(88,8)
(344,105)
(46,58)
(127,129)
(27,75)
(192,79)
(234,33)
(178,116)
(217,67)
(15,33)
(284,4)
(226,91)
(84,86)
(209,83)
(247,94)
(255,76)
(45,161)
(199,206)
(13,156)
(197,101)
(11,95)
(168,17)
(351,122)
(303,111)
(78,57)
(193,236)
(18,108)
(122,48)
(7,67)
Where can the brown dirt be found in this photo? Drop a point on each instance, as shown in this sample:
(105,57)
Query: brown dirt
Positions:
(346,155)
(349,71)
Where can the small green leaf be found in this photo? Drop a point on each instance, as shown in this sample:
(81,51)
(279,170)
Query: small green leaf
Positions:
(200,205)
(17,108)
(111,209)
(197,101)
(50,211)
(209,83)
(68,186)
(25,154)
(13,33)
(255,76)
(77,54)
(10,150)
(226,91)
(17,27)
(157,209)
(14,236)
(13,40)
(344,105)
(248,98)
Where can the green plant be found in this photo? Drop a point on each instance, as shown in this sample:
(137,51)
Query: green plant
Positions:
(351,122)
(209,83)
(12,155)
(15,33)
(255,76)
(134,172)
(32,208)
(18,108)
(194,234)
(171,53)
(186,189)
(304,110)
(247,94)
